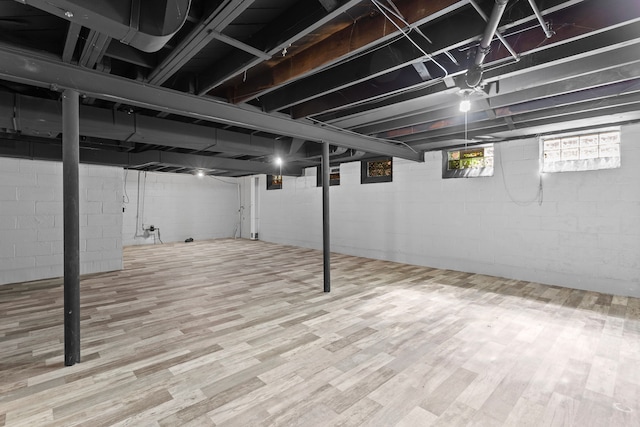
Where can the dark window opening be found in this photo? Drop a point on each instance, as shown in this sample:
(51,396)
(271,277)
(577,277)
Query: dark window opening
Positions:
(334,176)
(274,182)
(468,162)
(376,170)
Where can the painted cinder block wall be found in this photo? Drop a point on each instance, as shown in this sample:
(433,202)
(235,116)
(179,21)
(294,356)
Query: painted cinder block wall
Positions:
(180,205)
(583,235)
(31,221)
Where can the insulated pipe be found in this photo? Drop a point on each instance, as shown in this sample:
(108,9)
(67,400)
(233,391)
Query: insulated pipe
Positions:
(490,30)
(326,229)
(71,220)
(500,37)
(473,76)
(545,28)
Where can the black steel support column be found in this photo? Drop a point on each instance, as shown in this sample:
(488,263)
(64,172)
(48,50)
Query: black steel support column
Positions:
(326,229)
(71,207)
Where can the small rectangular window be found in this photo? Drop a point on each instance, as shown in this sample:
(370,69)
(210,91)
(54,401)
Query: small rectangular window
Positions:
(334,176)
(581,151)
(470,162)
(376,170)
(274,182)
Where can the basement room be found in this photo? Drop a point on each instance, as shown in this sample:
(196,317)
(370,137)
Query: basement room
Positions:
(320,213)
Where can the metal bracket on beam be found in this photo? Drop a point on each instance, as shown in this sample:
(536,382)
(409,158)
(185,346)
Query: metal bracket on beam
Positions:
(197,39)
(509,122)
(213,82)
(545,27)
(134,22)
(242,46)
(70,42)
(94,49)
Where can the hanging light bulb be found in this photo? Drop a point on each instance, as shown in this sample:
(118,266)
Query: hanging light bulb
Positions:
(465,105)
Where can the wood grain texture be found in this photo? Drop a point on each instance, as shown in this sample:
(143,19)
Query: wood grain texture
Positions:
(239,333)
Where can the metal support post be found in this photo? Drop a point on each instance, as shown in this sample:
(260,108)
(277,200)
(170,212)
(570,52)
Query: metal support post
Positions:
(71,207)
(326,229)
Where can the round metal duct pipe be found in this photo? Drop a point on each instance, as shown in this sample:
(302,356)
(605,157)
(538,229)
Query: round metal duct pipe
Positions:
(474,74)
(123,20)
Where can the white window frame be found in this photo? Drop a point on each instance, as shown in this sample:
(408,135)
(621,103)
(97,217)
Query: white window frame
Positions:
(581,151)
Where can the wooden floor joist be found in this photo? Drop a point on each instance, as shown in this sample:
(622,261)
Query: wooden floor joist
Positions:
(239,333)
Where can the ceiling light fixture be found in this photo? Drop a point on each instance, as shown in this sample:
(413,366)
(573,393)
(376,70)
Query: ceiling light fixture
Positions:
(465,105)
(200,174)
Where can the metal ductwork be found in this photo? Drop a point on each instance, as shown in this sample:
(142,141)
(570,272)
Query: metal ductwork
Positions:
(123,20)
(474,73)
(42,118)
(38,150)
(39,118)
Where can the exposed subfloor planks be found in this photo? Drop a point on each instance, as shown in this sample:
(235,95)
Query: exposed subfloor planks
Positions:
(239,333)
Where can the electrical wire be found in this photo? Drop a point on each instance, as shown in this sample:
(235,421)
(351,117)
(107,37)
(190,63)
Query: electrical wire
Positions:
(395,8)
(364,52)
(383,97)
(362,135)
(420,86)
(382,8)
(222,180)
(342,61)
(137,208)
(125,197)
(144,193)
(403,33)
(466,138)
(539,195)
(398,15)
(238,227)
(140,224)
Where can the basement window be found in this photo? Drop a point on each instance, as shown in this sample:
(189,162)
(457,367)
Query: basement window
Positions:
(334,176)
(471,162)
(274,182)
(376,170)
(581,151)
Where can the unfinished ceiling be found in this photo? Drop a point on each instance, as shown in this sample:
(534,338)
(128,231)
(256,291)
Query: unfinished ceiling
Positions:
(226,86)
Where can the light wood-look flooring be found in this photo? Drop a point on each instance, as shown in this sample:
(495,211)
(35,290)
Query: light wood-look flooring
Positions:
(239,333)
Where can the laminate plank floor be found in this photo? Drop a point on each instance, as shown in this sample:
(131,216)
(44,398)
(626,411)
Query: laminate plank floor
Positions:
(239,333)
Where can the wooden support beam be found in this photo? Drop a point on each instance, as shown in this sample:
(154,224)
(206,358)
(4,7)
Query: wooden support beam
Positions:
(361,34)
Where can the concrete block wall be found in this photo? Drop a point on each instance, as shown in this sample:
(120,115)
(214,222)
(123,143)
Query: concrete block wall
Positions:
(180,205)
(31,221)
(583,235)
(293,215)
